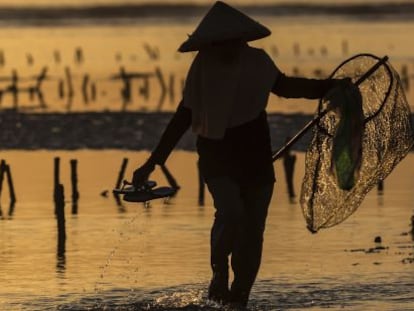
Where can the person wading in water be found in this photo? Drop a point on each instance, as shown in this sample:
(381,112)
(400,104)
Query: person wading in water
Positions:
(224,101)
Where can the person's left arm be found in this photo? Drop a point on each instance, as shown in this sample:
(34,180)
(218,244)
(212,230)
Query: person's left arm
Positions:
(178,125)
(297,87)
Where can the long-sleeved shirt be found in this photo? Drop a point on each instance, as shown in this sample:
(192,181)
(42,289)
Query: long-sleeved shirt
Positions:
(244,153)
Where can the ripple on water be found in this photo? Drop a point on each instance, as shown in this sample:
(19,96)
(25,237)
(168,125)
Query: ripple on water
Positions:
(267,295)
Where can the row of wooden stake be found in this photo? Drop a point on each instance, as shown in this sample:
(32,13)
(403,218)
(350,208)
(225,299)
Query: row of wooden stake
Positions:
(59,197)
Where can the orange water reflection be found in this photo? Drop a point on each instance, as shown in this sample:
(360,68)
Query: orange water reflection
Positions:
(168,244)
(303,46)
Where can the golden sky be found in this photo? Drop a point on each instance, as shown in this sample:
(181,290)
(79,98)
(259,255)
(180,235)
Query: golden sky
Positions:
(235,2)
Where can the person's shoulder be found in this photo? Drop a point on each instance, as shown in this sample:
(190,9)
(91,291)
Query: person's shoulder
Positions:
(258,52)
(255,50)
(262,61)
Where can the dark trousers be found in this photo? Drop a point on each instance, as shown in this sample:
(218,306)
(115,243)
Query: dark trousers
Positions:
(238,231)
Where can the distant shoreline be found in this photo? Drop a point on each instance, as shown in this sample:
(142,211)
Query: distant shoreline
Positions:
(130,13)
(118,130)
(114,130)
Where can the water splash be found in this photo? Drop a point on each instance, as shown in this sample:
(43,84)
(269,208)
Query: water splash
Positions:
(267,295)
(123,237)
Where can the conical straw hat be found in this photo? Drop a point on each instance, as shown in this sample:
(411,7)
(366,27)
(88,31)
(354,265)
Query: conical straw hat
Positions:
(221,23)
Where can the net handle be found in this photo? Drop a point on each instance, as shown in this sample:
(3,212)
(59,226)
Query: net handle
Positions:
(316,119)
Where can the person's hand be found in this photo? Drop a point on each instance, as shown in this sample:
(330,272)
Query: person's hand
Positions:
(344,82)
(339,86)
(142,173)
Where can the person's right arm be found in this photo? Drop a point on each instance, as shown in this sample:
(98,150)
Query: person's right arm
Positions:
(178,125)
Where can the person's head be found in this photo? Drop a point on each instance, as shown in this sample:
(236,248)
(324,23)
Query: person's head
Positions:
(224,28)
(226,51)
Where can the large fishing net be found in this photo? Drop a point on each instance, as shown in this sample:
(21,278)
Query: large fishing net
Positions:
(386,137)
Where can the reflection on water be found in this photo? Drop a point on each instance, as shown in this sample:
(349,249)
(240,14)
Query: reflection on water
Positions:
(156,257)
(137,67)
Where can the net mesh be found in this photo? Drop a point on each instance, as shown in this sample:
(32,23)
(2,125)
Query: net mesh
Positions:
(386,139)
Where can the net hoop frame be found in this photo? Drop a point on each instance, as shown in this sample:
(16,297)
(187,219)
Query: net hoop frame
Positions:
(387,93)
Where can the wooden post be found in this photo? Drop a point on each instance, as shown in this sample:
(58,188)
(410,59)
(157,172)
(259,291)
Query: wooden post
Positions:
(56,56)
(289,161)
(69,82)
(163,87)
(296,49)
(70,92)
(10,184)
(11,208)
(61,89)
(93,91)
(119,181)
(2,170)
(79,55)
(170,178)
(121,173)
(201,186)
(5,170)
(2,59)
(74,179)
(56,171)
(14,90)
(126,90)
(56,179)
(152,51)
(60,216)
(119,202)
(144,89)
(30,59)
(171,89)
(85,84)
(38,87)
(380,187)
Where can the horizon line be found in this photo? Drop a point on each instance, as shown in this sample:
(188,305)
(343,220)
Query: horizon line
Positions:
(167,10)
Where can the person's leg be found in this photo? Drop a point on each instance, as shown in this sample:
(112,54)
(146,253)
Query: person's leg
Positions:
(229,208)
(247,252)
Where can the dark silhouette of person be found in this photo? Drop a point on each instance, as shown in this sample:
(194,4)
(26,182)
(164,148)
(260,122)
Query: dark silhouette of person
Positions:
(224,101)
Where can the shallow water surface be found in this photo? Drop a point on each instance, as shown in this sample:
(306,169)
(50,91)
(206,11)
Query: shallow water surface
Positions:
(133,257)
